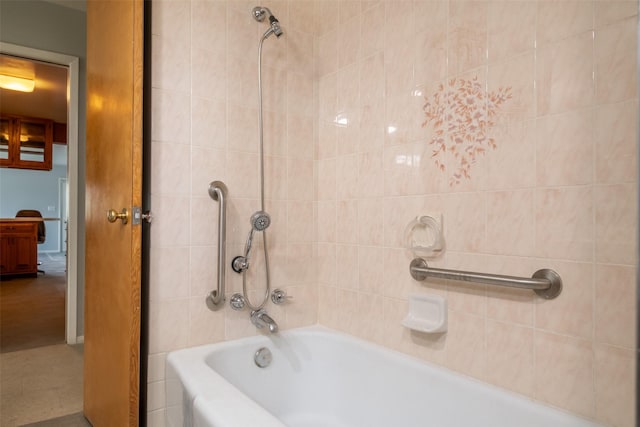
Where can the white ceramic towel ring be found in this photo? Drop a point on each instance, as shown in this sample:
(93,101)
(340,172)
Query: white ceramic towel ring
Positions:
(424,236)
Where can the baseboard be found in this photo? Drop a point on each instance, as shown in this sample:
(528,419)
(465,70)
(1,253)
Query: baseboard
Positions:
(78,340)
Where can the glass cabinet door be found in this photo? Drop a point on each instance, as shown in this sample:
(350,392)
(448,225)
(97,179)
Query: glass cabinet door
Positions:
(26,143)
(5,134)
(32,141)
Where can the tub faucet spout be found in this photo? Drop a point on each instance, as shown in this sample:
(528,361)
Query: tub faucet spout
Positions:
(260,319)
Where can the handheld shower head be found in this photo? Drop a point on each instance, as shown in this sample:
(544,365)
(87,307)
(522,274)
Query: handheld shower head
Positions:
(260,221)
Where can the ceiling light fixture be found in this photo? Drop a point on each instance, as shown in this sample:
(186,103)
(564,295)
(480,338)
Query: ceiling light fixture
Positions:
(17,83)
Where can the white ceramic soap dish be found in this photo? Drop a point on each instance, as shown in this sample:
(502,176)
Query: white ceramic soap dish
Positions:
(427,313)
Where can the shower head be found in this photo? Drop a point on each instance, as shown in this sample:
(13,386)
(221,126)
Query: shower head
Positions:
(260,221)
(259,13)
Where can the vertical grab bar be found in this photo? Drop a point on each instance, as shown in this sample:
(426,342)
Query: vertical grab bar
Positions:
(218,192)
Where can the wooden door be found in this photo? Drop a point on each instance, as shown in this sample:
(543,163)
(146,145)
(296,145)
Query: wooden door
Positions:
(113,181)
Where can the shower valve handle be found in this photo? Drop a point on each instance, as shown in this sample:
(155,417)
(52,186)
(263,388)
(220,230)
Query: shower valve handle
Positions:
(278,296)
(240,264)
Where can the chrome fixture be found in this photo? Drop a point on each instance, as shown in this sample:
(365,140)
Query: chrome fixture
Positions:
(546,283)
(237,302)
(263,357)
(278,296)
(260,220)
(260,319)
(259,13)
(218,191)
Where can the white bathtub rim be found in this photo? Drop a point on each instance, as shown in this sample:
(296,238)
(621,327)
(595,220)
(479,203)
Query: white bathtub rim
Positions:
(237,409)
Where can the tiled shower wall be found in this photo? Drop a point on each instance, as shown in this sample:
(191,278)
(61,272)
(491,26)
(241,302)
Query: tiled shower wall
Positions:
(205,128)
(514,120)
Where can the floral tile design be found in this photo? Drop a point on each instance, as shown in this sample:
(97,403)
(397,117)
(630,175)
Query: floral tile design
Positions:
(462,114)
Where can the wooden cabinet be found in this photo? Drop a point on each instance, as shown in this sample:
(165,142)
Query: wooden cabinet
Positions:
(26,143)
(19,247)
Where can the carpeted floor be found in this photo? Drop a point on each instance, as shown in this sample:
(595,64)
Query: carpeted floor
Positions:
(73,420)
(32,309)
(41,384)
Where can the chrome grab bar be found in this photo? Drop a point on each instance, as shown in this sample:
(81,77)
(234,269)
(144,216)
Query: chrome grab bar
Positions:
(218,191)
(546,283)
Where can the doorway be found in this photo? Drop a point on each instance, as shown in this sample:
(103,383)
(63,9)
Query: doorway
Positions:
(72,64)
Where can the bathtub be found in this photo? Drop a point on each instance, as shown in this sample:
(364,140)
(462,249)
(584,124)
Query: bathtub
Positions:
(318,377)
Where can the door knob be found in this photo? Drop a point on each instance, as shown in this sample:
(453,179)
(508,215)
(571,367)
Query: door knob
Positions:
(113,215)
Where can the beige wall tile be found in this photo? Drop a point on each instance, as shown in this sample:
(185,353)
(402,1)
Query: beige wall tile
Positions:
(302,310)
(346,177)
(371,270)
(510,357)
(209,74)
(243,129)
(171,325)
(169,271)
(564,223)
(170,117)
(430,41)
(564,74)
(513,163)
(615,128)
(326,261)
(616,60)
(205,326)
(465,221)
(516,73)
(561,19)
(327,53)
(300,137)
(615,217)
(172,222)
(302,16)
(242,84)
(349,41)
(511,27)
(466,340)
(170,169)
(467,35)
(370,222)
(615,390)
(170,52)
(171,17)
(370,174)
(609,11)
(370,308)
(347,222)
(209,123)
(347,266)
(615,305)
(572,312)
(564,373)
(511,222)
(204,221)
(564,149)
(203,273)
(371,38)
(327,221)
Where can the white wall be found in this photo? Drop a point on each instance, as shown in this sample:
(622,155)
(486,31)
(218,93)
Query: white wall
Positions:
(34,189)
(46,26)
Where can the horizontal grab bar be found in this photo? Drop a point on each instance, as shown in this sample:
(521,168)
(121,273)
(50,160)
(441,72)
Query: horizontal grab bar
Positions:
(546,283)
